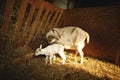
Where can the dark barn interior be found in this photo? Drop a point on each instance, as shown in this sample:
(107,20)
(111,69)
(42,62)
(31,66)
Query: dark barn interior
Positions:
(24,24)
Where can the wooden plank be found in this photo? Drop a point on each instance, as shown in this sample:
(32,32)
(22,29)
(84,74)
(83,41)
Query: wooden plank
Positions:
(34,25)
(117,59)
(28,22)
(42,24)
(53,20)
(8,10)
(48,20)
(21,15)
(32,1)
(35,30)
(51,9)
(58,19)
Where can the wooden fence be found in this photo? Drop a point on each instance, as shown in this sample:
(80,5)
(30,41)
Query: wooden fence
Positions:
(33,18)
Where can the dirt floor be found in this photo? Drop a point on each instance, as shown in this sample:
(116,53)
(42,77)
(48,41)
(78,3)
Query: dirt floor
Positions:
(36,69)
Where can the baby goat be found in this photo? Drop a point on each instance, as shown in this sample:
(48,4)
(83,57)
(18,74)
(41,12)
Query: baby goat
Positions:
(50,52)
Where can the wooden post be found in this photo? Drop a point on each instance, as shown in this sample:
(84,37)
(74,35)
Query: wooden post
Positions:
(117,60)
(28,21)
(34,25)
(8,10)
(21,15)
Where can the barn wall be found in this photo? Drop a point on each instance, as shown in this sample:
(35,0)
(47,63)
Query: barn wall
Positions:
(103,25)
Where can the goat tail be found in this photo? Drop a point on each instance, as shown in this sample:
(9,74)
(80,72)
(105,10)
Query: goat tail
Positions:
(88,37)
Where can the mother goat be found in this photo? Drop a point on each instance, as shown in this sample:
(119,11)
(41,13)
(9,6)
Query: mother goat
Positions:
(70,37)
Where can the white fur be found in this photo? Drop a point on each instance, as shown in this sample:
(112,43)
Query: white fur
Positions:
(71,37)
(50,52)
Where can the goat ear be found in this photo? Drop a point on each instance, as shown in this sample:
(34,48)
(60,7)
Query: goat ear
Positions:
(55,30)
(40,46)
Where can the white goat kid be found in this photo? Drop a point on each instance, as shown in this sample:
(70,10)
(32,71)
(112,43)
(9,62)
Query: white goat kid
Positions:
(50,52)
